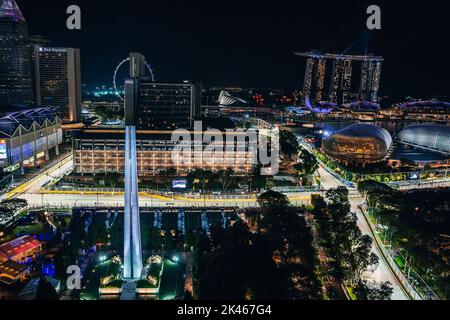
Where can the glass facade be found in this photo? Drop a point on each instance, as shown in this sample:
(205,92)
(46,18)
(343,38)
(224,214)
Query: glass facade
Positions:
(15,79)
(165,105)
(154,154)
(433,137)
(24,139)
(363,143)
(59,82)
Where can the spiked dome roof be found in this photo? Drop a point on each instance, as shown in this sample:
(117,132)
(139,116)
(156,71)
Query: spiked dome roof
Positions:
(10,9)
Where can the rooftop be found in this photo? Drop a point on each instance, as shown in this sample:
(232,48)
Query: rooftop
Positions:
(364,130)
(13,116)
(12,269)
(18,246)
(119,134)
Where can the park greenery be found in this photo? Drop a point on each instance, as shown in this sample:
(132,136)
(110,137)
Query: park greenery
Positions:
(418,222)
(346,251)
(8,208)
(380,172)
(274,261)
(289,145)
(305,163)
(307,167)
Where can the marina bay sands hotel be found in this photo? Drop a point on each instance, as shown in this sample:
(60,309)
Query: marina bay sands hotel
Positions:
(338,87)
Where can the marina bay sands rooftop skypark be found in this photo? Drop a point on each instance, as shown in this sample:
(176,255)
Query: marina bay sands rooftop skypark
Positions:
(334,56)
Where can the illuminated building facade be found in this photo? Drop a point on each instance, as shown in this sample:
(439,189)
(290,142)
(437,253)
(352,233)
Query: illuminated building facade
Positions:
(314,83)
(15,78)
(227,100)
(58,81)
(21,250)
(103,151)
(340,83)
(307,83)
(16,257)
(27,136)
(336,83)
(370,81)
(429,137)
(347,81)
(359,143)
(12,272)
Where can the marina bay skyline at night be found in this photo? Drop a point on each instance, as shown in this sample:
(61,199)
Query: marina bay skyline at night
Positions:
(233,159)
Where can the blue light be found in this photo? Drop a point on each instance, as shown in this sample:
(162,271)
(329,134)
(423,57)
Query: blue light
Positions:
(49,269)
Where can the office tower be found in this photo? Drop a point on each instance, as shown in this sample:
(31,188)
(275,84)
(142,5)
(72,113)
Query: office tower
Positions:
(15,79)
(161,105)
(376,79)
(309,72)
(370,81)
(365,79)
(336,84)
(315,78)
(320,78)
(58,81)
(347,82)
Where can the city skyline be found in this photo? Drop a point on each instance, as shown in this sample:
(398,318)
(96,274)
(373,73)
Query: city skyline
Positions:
(204,42)
(138,161)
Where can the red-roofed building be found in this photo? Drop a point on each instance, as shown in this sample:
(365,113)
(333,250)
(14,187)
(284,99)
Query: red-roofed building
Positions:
(20,250)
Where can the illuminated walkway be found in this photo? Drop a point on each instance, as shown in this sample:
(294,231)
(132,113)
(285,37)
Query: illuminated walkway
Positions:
(132,224)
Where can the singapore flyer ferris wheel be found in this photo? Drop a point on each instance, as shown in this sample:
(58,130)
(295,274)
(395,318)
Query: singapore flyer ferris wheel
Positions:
(151,75)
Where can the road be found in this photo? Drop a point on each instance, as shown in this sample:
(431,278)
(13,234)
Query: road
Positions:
(30,192)
(33,185)
(89,200)
(383,273)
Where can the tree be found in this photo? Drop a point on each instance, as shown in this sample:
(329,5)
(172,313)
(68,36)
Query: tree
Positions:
(257,180)
(151,238)
(307,167)
(377,193)
(113,179)
(167,175)
(169,241)
(98,232)
(319,206)
(61,262)
(203,177)
(309,162)
(373,291)
(289,144)
(45,291)
(13,205)
(225,178)
(273,199)
(350,249)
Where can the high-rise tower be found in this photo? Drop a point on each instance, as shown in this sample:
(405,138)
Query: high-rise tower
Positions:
(15,79)
(342,88)
(58,81)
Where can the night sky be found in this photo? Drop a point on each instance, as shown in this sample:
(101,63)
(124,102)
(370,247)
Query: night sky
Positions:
(250,43)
